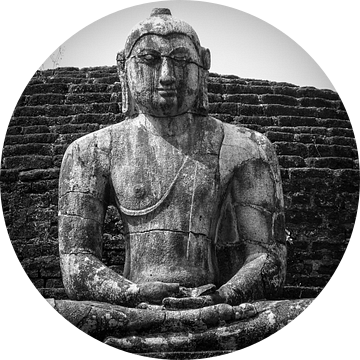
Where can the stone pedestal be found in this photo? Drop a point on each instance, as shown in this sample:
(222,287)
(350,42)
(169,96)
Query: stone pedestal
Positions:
(183,355)
(185,334)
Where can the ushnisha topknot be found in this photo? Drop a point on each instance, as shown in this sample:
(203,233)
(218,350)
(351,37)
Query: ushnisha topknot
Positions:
(161,22)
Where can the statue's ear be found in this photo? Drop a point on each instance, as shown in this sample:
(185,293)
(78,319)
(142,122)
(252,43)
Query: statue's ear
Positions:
(128,105)
(120,62)
(205,58)
(201,106)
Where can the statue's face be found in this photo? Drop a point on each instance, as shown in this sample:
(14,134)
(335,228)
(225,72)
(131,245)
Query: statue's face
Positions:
(163,75)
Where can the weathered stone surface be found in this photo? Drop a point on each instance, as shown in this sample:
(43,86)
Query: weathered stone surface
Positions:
(60,107)
(185,355)
(184,183)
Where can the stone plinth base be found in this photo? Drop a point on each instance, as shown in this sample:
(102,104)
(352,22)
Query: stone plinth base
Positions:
(184,334)
(185,355)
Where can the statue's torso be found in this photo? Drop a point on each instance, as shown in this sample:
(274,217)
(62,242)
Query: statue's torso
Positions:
(169,199)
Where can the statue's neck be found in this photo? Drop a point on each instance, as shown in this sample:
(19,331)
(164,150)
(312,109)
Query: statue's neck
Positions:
(174,126)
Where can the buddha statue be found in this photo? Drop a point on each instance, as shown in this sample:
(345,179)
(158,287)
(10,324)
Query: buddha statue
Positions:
(201,201)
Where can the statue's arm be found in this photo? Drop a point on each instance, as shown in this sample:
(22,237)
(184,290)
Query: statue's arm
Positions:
(257,200)
(83,198)
(256,197)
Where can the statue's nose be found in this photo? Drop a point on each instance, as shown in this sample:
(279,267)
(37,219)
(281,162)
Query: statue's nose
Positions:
(167,72)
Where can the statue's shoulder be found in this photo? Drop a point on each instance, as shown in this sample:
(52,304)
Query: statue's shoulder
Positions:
(101,139)
(241,144)
(235,135)
(93,149)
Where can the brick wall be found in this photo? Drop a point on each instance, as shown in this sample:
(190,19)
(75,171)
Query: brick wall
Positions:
(309,128)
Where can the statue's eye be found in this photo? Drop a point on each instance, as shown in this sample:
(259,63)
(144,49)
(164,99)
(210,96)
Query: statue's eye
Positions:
(180,58)
(148,58)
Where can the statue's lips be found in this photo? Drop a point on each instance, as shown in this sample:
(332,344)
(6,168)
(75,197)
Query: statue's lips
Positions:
(167,92)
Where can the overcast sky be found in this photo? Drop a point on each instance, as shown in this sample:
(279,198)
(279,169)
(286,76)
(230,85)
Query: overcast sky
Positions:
(240,44)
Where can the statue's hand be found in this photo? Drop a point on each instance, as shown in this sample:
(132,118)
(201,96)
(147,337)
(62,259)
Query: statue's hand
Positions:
(155,292)
(197,291)
(194,298)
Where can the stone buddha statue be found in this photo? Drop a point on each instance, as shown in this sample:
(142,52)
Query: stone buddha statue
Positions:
(201,201)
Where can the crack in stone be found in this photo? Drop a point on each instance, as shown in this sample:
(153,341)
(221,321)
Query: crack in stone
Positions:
(256,207)
(191,210)
(82,321)
(168,230)
(81,217)
(79,192)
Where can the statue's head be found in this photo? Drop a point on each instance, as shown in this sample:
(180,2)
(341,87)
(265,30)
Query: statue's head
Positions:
(163,69)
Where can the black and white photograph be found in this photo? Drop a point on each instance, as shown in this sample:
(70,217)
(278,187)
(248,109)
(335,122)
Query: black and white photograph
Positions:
(179,180)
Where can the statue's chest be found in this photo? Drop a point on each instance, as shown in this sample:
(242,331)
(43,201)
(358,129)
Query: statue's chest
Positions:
(149,176)
(159,176)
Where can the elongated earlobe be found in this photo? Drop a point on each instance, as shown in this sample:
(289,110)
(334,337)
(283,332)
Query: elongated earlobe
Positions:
(120,61)
(128,105)
(205,58)
(201,106)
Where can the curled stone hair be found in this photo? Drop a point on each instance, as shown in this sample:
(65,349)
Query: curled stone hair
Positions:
(161,22)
